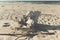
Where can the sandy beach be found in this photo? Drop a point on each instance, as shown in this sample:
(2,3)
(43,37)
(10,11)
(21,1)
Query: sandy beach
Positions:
(47,16)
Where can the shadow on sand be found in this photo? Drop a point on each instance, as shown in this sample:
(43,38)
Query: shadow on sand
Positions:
(41,27)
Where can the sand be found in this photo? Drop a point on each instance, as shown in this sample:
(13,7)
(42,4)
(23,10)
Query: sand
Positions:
(48,22)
